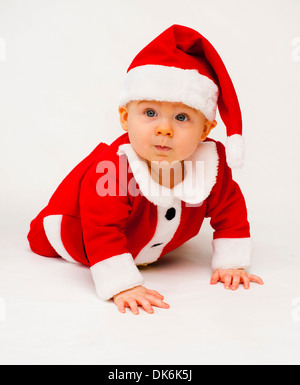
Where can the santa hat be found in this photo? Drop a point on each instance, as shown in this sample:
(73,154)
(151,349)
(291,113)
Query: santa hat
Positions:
(180,65)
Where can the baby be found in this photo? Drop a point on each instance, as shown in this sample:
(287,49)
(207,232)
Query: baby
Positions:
(133,201)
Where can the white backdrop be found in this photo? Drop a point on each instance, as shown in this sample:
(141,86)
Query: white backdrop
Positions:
(62,65)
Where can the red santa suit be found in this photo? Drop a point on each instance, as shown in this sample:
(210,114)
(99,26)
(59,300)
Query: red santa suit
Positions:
(109,214)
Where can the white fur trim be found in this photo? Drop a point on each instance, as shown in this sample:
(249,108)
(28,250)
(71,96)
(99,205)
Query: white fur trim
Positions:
(171,84)
(164,232)
(235,151)
(231,253)
(201,170)
(115,274)
(52,227)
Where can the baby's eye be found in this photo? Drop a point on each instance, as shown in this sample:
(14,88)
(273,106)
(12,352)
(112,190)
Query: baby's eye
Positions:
(150,113)
(182,117)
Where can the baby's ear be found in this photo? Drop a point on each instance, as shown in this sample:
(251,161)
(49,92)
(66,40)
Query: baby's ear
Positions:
(123,112)
(208,126)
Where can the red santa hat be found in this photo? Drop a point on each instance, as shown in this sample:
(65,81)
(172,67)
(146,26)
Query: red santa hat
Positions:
(180,65)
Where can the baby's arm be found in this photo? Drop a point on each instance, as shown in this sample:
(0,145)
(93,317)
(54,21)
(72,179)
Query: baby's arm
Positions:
(227,209)
(139,295)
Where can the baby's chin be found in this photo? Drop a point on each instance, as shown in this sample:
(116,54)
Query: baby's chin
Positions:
(150,156)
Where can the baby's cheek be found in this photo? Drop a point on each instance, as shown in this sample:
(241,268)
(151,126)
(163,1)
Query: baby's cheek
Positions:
(142,150)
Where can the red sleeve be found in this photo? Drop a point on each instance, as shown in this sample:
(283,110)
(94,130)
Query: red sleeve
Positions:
(227,211)
(103,223)
(103,218)
(226,204)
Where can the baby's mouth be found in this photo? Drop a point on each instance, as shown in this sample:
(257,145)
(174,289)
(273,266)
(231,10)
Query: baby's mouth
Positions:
(163,148)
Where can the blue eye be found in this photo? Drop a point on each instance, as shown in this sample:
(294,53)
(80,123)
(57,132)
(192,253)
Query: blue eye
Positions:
(182,117)
(151,113)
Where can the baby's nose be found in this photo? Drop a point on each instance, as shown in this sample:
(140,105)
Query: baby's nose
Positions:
(165,129)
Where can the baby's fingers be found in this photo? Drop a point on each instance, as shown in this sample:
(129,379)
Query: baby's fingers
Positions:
(215,278)
(255,278)
(227,280)
(121,305)
(246,281)
(131,302)
(235,281)
(145,303)
(155,293)
(157,302)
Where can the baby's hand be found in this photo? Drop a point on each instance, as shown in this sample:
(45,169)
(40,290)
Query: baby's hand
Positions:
(233,277)
(139,295)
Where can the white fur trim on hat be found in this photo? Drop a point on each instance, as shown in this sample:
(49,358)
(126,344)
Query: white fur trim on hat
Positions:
(171,84)
(235,151)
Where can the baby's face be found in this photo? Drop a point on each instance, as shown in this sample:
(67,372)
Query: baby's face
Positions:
(164,130)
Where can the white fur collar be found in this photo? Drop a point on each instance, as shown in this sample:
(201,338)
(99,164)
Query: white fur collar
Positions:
(201,170)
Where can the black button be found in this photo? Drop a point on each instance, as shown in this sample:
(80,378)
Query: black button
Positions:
(156,244)
(170,214)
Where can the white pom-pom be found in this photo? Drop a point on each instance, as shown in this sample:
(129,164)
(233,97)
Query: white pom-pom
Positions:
(235,151)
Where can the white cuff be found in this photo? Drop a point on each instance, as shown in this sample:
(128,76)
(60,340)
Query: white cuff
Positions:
(115,274)
(231,253)
(52,227)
